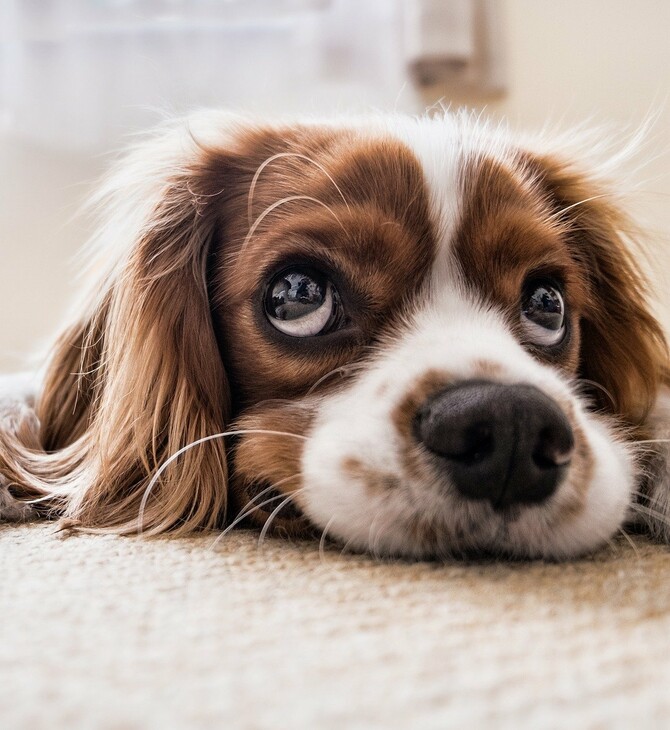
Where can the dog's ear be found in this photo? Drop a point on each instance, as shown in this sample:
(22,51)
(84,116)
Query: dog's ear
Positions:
(140,376)
(623,348)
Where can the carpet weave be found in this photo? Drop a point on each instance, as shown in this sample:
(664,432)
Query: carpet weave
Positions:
(123,633)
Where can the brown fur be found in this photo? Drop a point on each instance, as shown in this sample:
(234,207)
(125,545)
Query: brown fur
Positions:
(265,460)
(505,236)
(623,346)
(172,349)
(364,237)
(432,382)
(138,378)
(146,371)
(540,216)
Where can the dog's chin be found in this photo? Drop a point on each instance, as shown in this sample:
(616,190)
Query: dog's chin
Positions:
(467,531)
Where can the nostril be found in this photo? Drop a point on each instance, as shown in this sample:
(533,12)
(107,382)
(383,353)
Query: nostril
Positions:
(457,426)
(554,448)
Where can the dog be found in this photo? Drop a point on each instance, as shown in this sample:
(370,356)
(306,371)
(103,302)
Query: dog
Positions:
(419,337)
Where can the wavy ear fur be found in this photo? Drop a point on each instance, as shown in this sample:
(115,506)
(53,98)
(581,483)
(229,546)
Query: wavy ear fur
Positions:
(140,375)
(623,348)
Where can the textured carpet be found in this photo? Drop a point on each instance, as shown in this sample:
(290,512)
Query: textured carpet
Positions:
(107,632)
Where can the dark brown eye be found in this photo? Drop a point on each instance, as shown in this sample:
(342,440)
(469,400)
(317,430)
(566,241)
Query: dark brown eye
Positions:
(302,303)
(543,313)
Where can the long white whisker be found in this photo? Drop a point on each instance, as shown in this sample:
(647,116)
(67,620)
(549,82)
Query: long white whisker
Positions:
(374,534)
(283,201)
(597,385)
(650,512)
(335,371)
(559,214)
(248,512)
(629,540)
(279,155)
(250,507)
(198,442)
(322,541)
(270,519)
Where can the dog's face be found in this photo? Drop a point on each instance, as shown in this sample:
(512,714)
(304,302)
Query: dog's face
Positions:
(427,339)
(426,310)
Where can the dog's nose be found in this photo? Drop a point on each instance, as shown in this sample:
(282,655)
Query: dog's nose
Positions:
(508,444)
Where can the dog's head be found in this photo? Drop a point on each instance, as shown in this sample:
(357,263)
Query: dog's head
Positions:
(428,338)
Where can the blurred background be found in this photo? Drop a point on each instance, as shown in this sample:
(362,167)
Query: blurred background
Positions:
(77,77)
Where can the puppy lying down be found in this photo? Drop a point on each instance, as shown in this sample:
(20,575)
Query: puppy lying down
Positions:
(414,336)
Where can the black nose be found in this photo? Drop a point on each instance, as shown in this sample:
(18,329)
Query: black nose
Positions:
(508,444)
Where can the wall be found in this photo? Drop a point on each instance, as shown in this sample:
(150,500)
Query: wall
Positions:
(609,61)
(605,60)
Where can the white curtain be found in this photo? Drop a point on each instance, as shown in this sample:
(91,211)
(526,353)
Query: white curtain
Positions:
(80,74)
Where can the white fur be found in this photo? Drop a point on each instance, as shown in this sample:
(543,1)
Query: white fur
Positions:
(451,331)
(450,334)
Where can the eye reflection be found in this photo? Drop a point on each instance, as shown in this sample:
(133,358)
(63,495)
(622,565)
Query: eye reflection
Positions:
(295,295)
(303,303)
(543,313)
(545,307)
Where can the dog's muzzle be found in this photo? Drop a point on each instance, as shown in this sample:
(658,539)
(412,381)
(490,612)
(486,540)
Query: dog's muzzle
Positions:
(508,444)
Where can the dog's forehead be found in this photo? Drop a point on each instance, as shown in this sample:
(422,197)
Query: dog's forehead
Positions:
(395,193)
(391,171)
(493,217)
(401,217)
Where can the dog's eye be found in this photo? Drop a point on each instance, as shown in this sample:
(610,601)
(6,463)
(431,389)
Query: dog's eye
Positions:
(302,303)
(543,313)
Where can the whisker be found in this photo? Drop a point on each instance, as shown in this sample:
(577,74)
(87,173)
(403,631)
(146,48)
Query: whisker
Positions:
(271,518)
(250,507)
(198,442)
(630,541)
(279,155)
(274,206)
(610,543)
(599,386)
(650,512)
(559,214)
(196,195)
(335,371)
(278,402)
(322,541)
(374,536)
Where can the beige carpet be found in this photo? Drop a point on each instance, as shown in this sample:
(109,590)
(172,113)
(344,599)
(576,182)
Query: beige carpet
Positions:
(107,632)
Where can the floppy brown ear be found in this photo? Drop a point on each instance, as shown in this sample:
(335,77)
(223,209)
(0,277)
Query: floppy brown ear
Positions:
(623,348)
(140,375)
